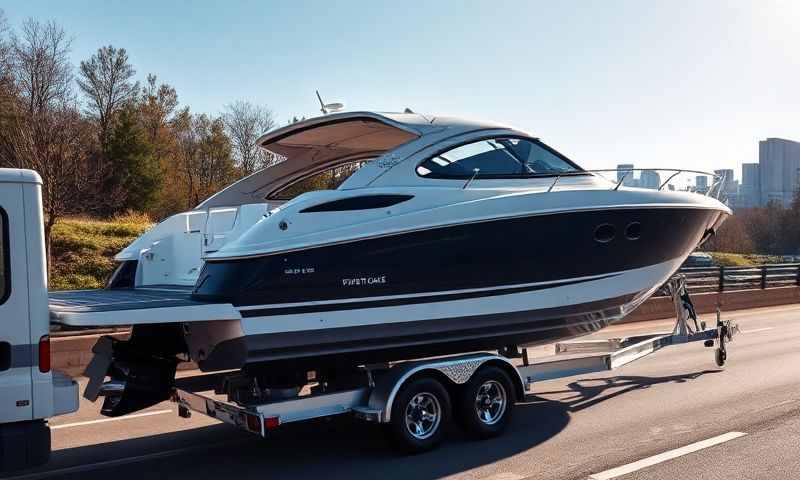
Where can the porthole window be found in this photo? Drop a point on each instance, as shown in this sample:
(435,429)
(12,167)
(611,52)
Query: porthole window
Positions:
(633,231)
(604,233)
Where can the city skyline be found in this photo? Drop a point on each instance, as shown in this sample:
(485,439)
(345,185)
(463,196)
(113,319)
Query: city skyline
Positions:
(775,177)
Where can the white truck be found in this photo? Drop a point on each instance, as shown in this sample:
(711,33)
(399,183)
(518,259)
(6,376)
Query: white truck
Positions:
(30,392)
(413,397)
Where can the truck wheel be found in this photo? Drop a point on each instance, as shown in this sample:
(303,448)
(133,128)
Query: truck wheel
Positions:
(420,413)
(24,445)
(484,405)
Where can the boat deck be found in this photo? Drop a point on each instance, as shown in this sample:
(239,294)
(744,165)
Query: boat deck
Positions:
(155,304)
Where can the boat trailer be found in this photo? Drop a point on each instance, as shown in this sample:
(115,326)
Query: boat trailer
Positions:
(608,354)
(415,398)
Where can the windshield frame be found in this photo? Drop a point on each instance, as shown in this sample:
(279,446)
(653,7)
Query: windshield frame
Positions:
(489,176)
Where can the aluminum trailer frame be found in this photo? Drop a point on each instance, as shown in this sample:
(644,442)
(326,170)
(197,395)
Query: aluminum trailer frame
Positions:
(373,402)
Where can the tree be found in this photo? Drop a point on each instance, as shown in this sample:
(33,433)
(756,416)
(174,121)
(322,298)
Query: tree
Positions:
(42,127)
(245,123)
(732,237)
(204,156)
(5,49)
(157,104)
(135,177)
(107,81)
(40,65)
(791,225)
(6,77)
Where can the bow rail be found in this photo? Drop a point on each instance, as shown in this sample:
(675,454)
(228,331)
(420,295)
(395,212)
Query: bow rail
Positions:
(714,189)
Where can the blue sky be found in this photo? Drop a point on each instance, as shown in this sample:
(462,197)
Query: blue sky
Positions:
(688,84)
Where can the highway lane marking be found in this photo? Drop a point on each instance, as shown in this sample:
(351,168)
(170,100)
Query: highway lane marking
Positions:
(663,457)
(120,461)
(104,420)
(756,330)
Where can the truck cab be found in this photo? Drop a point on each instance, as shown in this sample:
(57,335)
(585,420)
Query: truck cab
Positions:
(30,392)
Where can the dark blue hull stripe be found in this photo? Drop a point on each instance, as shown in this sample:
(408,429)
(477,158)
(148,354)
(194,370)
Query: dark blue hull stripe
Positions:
(393,302)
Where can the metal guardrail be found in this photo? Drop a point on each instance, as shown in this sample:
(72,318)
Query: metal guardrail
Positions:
(727,279)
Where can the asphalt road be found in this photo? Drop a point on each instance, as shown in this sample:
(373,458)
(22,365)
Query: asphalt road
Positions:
(672,415)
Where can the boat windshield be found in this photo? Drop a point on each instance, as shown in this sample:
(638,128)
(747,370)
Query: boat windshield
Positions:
(497,158)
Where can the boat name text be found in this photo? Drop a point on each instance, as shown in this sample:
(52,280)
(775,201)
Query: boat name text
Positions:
(354,282)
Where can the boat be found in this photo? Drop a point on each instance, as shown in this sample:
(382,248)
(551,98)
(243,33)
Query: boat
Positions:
(376,237)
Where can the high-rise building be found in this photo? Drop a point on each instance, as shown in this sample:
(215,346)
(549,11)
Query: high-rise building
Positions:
(778,171)
(625,174)
(726,177)
(701,183)
(730,188)
(750,190)
(650,179)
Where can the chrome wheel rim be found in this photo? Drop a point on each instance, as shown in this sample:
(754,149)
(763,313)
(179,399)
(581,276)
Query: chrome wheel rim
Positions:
(491,402)
(423,415)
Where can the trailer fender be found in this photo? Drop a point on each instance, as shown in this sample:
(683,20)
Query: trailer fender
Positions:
(458,370)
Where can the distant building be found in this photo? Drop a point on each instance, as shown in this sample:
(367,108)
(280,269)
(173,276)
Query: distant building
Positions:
(625,174)
(750,189)
(701,184)
(726,177)
(778,170)
(650,179)
(730,187)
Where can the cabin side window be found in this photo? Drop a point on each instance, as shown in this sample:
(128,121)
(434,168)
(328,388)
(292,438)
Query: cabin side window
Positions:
(5,287)
(329,179)
(497,158)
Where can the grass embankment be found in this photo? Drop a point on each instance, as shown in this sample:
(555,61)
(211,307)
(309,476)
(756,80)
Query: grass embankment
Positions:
(84,249)
(743,260)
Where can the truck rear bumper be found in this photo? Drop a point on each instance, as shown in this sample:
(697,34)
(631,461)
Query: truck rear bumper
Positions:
(65,394)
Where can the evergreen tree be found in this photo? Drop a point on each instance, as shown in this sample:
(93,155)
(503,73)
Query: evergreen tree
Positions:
(135,177)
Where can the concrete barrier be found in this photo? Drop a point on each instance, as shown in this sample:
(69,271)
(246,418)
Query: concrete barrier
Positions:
(71,353)
(661,307)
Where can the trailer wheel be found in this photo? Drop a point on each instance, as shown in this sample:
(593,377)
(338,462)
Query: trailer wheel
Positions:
(420,413)
(485,403)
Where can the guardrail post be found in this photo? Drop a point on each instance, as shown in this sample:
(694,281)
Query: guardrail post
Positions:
(721,278)
(763,277)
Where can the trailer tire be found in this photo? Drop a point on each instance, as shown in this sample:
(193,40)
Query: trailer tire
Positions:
(420,413)
(485,403)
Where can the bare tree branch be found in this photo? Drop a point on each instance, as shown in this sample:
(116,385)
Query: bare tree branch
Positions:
(40,64)
(5,49)
(245,123)
(106,79)
(42,128)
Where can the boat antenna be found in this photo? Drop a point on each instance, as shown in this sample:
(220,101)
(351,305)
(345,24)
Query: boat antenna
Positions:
(321,104)
(327,108)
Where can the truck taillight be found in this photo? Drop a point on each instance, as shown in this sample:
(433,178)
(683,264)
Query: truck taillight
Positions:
(271,423)
(44,354)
